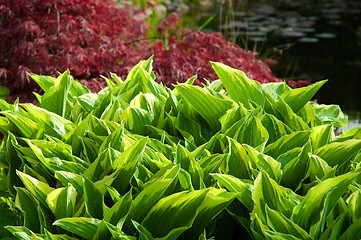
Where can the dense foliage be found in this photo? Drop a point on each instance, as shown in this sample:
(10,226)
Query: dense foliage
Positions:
(85,36)
(94,37)
(139,160)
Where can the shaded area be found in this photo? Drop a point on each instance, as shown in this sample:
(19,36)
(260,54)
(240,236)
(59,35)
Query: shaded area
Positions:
(311,41)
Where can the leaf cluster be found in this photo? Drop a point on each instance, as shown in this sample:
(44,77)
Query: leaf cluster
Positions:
(141,161)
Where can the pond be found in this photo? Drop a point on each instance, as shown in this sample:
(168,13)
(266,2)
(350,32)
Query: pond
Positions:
(310,42)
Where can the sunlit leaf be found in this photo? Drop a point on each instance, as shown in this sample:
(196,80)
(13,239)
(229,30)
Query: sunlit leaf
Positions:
(239,87)
(280,223)
(82,227)
(27,204)
(38,189)
(298,97)
(62,201)
(331,114)
(268,192)
(54,100)
(93,199)
(321,135)
(23,233)
(337,153)
(119,211)
(238,162)
(178,210)
(209,107)
(236,185)
(215,201)
(308,211)
(286,143)
(294,171)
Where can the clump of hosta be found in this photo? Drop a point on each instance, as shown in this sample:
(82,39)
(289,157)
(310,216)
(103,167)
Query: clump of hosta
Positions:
(232,160)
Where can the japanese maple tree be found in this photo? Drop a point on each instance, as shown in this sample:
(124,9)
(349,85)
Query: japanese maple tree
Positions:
(95,37)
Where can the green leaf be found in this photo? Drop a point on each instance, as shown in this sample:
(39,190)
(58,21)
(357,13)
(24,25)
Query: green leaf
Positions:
(275,128)
(83,227)
(125,164)
(100,167)
(253,133)
(308,211)
(117,79)
(289,117)
(142,75)
(89,148)
(148,197)
(54,100)
(353,231)
(14,162)
(318,167)
(52,123)
(24,125)
(143,232)
(74,179)
(93,199)
(117,233)
(337,153)
(308,115)
(335,229)
(329,203)
(188,163)
(211,164)
(89,101)
(136,119)
(236,185)
(280,223)
(280,236)
(354,133)
(330,114)
(286,143)
(294,171)
(238,161)
(354,205)
(211,108)
(178,210)
(51,148)
(45,82)
(104,104)
(239,87)
(298,97)
(268,192)
(50,236)
(232,116)
(189,128)
(28,204)
(215,201)
(264,162)
(321,135)
(23,233)
(38,189)
(119,211)
(113,140)
(62,201)
(275,89)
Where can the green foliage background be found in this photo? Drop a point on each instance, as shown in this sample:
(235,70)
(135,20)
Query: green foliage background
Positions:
(232,160)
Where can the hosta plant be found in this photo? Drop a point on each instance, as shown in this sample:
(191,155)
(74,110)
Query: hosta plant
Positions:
(231,160)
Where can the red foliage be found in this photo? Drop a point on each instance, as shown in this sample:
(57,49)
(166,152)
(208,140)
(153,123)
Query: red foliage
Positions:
(191,55)
(49,36)
(93,37)
(298,83)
